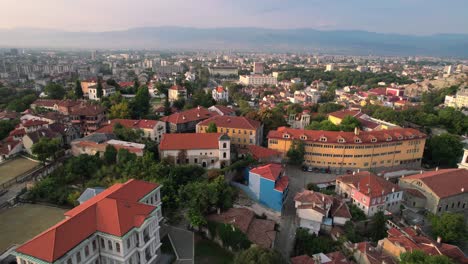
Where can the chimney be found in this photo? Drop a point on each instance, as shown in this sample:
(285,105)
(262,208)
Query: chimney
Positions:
(109,122)
(9,149)
(462,189)
(198,114)
(356,131)
(421,172)
(198,107)
(354,173)
(439,240)
(368,190)
(437,168)
(393,189)
(183,117)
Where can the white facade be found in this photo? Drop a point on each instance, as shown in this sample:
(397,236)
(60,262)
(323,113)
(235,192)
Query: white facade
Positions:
(220,94)
(139,245)
(106,91)
(257,80)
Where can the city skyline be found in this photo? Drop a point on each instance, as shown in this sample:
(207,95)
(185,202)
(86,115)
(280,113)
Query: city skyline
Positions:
(412,17)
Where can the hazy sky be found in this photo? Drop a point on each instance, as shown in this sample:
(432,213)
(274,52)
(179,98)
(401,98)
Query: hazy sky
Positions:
(395,16)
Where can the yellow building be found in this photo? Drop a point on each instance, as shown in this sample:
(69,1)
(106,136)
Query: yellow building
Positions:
(241,130)
(367,123)
(383,149)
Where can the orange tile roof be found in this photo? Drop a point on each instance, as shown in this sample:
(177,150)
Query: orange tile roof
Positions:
(444,183)
(114,211)
(34,122)
(134,123)
(237,122)
(178,88)
(366,181)
(194,114)
(411,240)
(259,152)
(270,171)
(344,113)
(224,109)
(190,141)
(366,137)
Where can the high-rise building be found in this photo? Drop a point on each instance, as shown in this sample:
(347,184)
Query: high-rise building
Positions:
(330,67)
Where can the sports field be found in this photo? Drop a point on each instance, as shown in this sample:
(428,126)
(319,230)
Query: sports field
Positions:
(15,167)
(23,222)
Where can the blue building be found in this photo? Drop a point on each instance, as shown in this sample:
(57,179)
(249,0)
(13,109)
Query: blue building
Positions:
(269,185)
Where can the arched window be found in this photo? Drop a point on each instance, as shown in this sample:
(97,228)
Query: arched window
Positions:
(373,140)
(224,145)
(117,247)
(323,139)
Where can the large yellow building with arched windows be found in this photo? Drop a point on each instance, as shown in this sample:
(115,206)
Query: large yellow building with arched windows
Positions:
(340,151)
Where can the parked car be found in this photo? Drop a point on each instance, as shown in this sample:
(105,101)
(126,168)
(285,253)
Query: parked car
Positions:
(304,168)
(309,169)
(316,169)
(322,170)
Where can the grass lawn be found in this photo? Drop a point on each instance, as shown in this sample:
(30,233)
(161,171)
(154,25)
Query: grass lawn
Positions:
(21,223)
(15,167)
(208,252)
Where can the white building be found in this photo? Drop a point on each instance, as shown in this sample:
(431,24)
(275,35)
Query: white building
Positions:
(119,225)
(329,67)
(257,80)
(107,90)
(220,94)
(209,150)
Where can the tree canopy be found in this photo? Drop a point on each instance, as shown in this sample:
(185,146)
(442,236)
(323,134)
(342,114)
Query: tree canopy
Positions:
(450,227)
(54,91)
(212,128)
(296,152)
(444,150)
(46,148)
(78,90)
(419,257)
(258,255)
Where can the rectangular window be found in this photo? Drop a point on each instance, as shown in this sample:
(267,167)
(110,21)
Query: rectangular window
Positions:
(128,243)
(94,245)
(117,247)
(78,257)
(86,251)
(109,243)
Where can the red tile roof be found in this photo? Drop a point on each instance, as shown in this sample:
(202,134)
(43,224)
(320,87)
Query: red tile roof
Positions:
(178,88)
(366,137)
(270,171)
(259,231)
(374,255)
(34,122)
(311,197)
(443,183)
(220,89)
(194,114)
(237,122)
(282,184)
(134,123)
(126,84)
(340,209)
(259,152)
(87,109)
(366,181)
(114,211)
(411,240)
(336,258)
(344,113)
(189,141)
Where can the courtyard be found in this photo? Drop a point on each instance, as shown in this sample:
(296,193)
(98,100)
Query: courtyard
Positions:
(15,167)
(23,222)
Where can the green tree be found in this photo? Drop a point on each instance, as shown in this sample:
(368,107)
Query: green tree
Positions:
(54,91)
(120,110)
(179,103)
(141,103)
(329,107)
(349,123)
(6,126)
(110,155)
(420,257)
(378,229)
(78,90)
(46,148)
(258,255)
(450,227)
(212,128)
(325,125)
(296,87)
(99,92)
(311,244)
(127,134)
(296,152)
(444,150)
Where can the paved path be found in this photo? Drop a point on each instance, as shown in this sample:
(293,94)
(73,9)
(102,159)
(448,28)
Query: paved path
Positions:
(183,244)
(298,180)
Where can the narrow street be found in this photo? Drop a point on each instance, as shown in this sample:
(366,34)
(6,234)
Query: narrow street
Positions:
(298,180)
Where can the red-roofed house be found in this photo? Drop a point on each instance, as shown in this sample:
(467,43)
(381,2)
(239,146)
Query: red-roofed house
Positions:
(177,92)
(220,94)
(370,192)
(186,121)
(409,239)
(443,190)
(242,131)
(152,129)
(365,253)
(259,231)
(263,154)
(269,185)
(315,210)
(121,223)
(210,150)
(320,258)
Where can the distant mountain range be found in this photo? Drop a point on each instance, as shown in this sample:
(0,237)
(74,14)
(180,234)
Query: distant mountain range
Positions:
(255,39)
